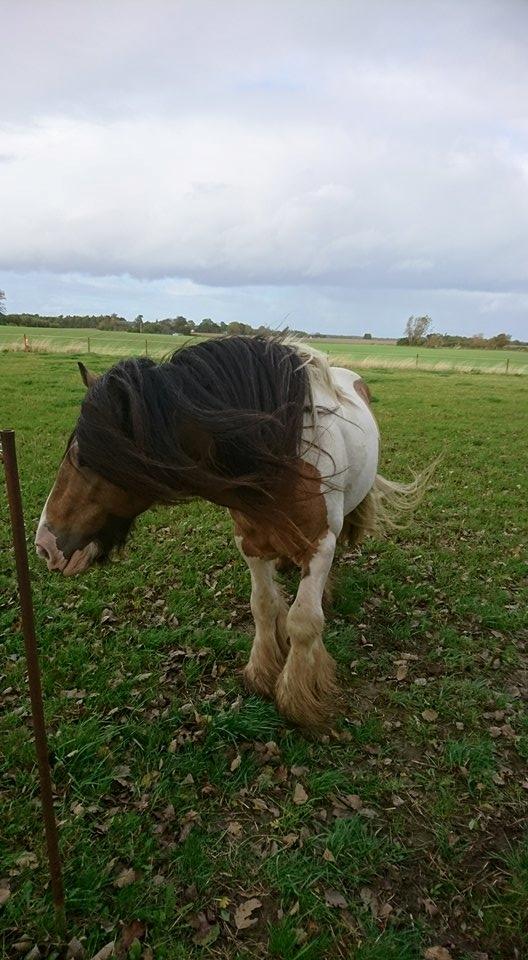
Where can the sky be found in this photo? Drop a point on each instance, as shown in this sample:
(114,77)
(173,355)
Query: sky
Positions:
(327,165)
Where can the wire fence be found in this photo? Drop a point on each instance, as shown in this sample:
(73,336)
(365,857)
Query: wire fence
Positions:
(152,347)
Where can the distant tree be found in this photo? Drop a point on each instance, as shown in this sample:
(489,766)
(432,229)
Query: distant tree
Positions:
(500,341)
(137,323)
(207,326)
(238,329)
(367,336)
(2,301)
(416,329)
(181,325)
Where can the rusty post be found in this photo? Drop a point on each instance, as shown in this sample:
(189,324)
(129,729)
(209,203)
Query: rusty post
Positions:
(8,455)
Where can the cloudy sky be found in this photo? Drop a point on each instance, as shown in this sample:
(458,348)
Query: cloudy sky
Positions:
(328,164)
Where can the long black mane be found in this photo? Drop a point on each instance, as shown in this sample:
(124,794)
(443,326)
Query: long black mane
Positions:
(222,419)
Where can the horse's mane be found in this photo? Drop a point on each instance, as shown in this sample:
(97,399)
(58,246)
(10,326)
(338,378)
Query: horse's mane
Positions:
(222,420)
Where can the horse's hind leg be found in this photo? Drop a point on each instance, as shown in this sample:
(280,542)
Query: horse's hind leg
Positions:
(306,691)
(269,609)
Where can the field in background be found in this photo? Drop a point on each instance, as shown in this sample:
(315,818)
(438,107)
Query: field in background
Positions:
(180,797)
(363,354)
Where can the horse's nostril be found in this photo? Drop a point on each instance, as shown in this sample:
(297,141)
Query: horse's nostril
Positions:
(43,553)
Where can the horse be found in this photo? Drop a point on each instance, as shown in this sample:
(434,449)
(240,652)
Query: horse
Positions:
(264,427)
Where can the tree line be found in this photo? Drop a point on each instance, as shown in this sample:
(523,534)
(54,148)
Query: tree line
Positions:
(113,322)
(417,334)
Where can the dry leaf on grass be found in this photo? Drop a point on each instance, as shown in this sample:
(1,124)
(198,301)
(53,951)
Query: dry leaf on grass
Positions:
(235,763)
(206,933)
(299,794)
(437,953)
(234,828)
(243,918)
(125,878)
(75,950)
(5,892)
(353,801)
(105,952)
(430,715)
(132,931)
(328,856)
(335,899)
(402,671)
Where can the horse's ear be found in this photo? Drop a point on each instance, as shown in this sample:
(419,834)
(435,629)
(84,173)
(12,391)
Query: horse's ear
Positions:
(88,378)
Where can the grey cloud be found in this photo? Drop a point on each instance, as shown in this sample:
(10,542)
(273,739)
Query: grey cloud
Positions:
(377,146)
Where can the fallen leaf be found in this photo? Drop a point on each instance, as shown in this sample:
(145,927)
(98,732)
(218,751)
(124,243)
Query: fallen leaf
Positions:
(243,918)
(27,859)
(290,838)
(299,794)
(430,715)
(125,878)
(298,771)
(437,953)
(353,801)
(75,950)
(5,892)
(105,952)
(134,950)
(328,856)
(34,954)
(234,828)
(22,946)
(108,616)
(235,763)
(335,899)
(206,933)
(402,671)
(207,937)
(133,931)
(430,907)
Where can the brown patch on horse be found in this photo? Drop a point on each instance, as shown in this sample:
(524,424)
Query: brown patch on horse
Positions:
(361,387)
(84,504)
(305,522)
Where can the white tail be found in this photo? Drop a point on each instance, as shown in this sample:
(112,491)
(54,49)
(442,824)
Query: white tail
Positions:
(388,506)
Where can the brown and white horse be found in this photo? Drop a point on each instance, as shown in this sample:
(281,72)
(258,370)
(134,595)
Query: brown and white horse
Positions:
(263,427)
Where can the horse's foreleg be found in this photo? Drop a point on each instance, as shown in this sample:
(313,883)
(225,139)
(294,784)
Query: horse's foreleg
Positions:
(269,609)
(306,692)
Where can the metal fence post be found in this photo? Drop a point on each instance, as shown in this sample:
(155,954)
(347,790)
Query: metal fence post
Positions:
(8,456)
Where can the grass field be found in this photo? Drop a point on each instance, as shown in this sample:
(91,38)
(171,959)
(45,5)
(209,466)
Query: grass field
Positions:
(369,355)
(181,798)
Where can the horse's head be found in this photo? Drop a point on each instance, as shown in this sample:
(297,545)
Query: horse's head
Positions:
(85,515)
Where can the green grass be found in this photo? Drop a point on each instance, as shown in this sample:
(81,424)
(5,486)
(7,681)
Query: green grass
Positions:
(368,354)
(147,716)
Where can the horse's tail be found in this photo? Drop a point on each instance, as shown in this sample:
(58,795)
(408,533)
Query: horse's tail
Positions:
(387,506)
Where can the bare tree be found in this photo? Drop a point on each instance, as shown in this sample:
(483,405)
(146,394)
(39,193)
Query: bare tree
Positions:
(416,328)
(2,298)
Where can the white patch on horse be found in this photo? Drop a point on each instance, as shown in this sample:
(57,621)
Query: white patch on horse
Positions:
(269,610)
(305,690)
